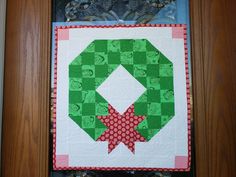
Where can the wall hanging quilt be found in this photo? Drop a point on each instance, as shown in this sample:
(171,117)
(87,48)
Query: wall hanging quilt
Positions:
(122,98)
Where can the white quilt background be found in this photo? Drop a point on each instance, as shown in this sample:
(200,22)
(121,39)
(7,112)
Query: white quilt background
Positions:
(161,150)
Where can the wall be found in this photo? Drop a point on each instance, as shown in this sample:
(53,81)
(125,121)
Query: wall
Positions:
(2,42)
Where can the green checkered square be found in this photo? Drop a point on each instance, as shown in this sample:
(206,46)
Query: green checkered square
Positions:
(150,47)
(165,120)
(88,96)
(164,60)
(88,109)
(76,61)
(168,108)
(140,58)
(154,122)
(129,68)
(87,58)
(99,81)
(153,83)
(101,71)
(153,96)
(75,109)
(111,68)
(140,109)
(75,84)
(75,71)
(101,58)
(113,46)
(153,57)
(88,71)
(142,98)
(167,96)
(166,83)
(153,70)
(143,81)
(99,98)
(101,46)
(88,121)
(101,109)
(166,70)
(75,97)
(140,70)
(126,45)
(154,109)
(114,58)
(139,45)
(126,58)
(88,84)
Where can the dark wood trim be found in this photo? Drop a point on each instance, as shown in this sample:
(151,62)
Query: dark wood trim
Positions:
(198,87)
(26,89)
(214,86)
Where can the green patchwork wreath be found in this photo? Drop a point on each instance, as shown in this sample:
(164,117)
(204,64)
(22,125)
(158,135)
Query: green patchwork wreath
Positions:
(144,62)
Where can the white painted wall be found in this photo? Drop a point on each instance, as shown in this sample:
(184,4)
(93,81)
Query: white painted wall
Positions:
(2,42)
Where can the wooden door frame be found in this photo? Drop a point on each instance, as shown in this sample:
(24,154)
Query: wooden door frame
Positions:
(26,112)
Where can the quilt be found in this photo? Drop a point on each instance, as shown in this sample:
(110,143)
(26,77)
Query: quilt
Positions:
(121,98)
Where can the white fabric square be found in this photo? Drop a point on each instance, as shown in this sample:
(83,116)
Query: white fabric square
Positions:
(121,89)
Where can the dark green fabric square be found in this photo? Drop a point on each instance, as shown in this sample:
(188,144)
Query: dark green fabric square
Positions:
(101,71)
(91,132)
(75,97)
(88,109)
(129,68)
(114,58)
(144,132)
(126,45)
(99,124)
(77,119)
(163,59)
(150,47)
(140,109)
(101,46)
(153,70)
(154,122)
(166,82)
(142,80)
(88,84)
(140,58)
(112,68)
(88,58)
(153,96)
(75,71)
(99,98)
(168,109)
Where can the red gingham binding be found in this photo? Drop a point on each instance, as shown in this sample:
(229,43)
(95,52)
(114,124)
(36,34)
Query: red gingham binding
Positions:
(187,89)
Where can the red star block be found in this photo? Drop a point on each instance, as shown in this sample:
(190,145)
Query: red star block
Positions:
(121,128)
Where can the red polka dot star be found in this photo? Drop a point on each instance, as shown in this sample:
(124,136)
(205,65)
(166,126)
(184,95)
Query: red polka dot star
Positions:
(121,129)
